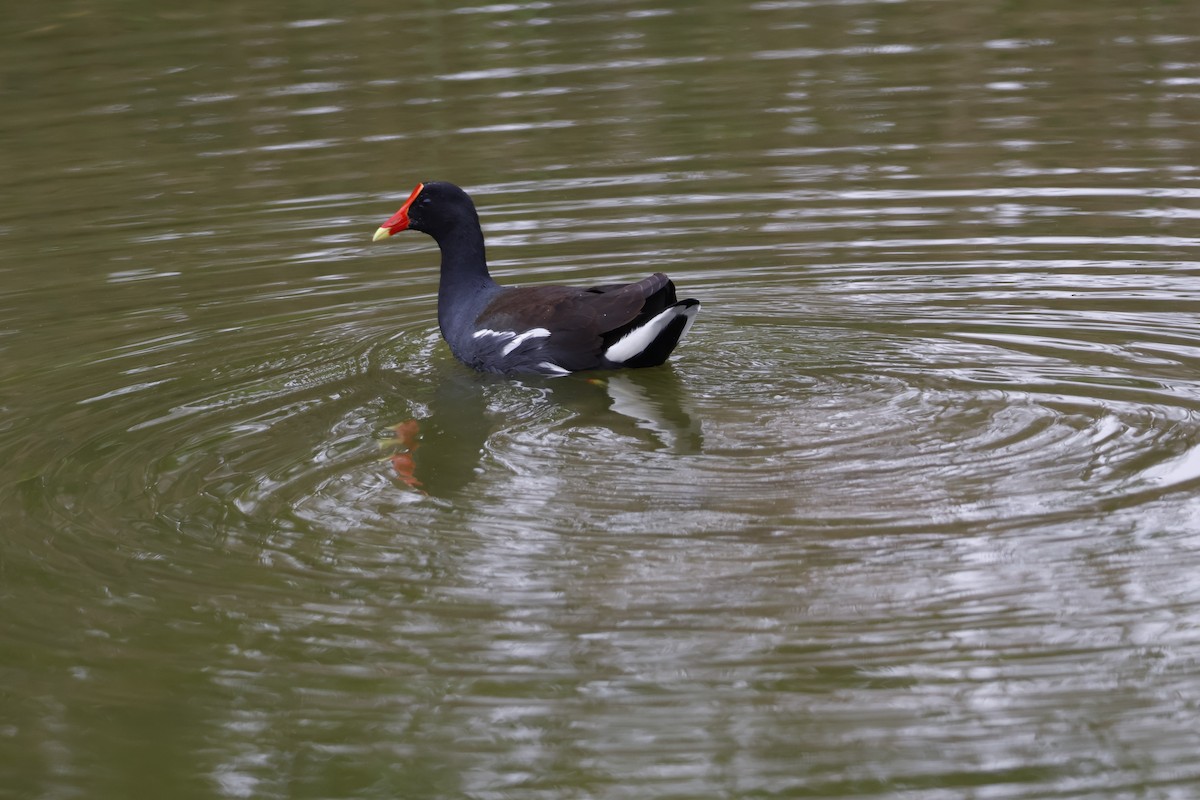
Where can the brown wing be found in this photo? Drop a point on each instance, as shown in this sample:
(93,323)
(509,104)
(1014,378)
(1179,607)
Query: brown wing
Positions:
(580,321)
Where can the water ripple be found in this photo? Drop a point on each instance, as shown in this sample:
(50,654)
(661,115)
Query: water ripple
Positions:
(916,498)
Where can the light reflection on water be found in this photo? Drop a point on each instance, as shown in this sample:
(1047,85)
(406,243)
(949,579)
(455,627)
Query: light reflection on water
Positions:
(912,510)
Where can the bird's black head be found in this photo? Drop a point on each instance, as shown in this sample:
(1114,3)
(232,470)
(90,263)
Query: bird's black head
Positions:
(435,208)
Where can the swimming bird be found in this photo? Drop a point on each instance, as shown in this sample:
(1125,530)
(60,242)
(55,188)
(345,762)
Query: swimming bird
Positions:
(547,330)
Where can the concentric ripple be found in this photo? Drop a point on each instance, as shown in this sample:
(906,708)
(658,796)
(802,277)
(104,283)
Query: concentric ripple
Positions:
(332,469)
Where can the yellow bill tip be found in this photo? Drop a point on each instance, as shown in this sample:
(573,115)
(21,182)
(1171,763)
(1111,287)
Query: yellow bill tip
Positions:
(382,233)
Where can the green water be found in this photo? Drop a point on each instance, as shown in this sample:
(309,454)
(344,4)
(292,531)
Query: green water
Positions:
(912,513)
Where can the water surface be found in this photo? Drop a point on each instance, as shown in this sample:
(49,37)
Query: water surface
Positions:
(911,513)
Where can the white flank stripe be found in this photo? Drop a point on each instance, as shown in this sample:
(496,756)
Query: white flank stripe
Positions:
(520,340)
(490,332)
(638,339)
(553,369)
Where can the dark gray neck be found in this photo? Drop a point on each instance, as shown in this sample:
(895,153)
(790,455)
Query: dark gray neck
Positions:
(465,286)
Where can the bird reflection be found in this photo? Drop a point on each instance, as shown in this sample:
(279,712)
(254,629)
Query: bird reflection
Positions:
(439,453)
(653,399)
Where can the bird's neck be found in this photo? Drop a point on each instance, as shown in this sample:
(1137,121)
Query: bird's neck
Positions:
(464,285)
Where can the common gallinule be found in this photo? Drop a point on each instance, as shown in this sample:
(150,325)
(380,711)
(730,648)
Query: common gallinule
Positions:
(548,330)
